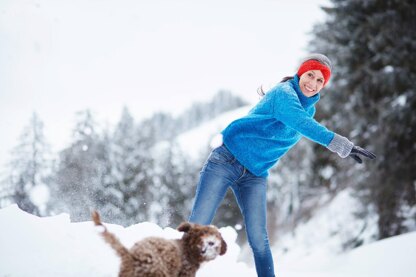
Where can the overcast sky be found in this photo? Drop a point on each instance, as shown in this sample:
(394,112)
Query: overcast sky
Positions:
(58,57)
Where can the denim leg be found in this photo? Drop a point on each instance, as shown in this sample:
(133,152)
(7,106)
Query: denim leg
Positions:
(218,173)
(250,192)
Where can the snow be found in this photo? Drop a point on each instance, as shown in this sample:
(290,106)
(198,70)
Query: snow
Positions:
(55,246)
(40,195)
(331,226)
(399,101)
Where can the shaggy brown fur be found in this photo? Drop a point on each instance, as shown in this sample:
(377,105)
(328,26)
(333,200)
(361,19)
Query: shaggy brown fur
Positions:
(159,257)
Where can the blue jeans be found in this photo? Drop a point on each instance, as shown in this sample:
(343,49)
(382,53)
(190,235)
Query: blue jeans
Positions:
(220,172)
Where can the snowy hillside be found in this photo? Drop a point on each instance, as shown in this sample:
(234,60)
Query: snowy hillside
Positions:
(195,141)
(53,246)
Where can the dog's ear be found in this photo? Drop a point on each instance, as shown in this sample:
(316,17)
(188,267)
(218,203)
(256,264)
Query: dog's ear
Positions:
(184,227)
(223,247)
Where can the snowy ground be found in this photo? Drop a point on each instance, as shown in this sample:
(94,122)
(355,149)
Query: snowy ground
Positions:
(53,246)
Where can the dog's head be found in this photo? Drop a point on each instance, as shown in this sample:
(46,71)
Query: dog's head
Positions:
(203,242)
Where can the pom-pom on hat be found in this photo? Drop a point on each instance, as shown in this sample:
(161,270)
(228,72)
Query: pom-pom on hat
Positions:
(316,62)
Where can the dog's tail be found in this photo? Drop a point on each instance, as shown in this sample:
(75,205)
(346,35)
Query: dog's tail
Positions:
(110,238)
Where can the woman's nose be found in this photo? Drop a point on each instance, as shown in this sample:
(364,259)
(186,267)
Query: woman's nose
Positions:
(313,82)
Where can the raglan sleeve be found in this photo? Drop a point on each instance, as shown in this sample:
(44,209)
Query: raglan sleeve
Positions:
(289,111)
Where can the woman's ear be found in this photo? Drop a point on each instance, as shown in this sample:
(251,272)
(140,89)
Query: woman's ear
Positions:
(184,227)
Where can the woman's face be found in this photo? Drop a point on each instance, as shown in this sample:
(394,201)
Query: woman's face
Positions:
(311,82)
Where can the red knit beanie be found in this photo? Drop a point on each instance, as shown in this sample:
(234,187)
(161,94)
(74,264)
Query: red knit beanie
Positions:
(316,62)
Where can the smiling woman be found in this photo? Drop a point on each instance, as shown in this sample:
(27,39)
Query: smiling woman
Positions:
(256,142)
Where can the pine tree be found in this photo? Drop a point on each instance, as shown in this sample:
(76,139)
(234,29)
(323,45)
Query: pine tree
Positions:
(127,185)
(29,167)
(80,170)
(121,146)
(163,125)
(175,183)
(372,100)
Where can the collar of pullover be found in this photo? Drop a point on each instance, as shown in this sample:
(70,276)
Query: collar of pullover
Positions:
(305,101)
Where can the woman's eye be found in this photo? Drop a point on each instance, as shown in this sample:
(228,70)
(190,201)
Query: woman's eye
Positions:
(310,75)
(320,80)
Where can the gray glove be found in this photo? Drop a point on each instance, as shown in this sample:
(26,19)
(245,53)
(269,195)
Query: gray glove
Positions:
(341,145)
(345,148)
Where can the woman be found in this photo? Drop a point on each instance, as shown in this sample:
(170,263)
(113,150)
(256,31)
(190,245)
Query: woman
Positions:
(256,142)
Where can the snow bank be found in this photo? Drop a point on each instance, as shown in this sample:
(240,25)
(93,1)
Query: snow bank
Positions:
(53,246)
(315,247)
(333,225)
(390,257)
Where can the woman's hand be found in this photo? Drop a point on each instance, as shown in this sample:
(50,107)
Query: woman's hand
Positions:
(357,151)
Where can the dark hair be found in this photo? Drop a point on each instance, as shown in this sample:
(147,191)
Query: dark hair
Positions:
(262,93)
(287,78)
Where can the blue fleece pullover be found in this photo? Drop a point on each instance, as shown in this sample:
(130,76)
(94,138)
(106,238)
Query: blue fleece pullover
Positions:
(273,126)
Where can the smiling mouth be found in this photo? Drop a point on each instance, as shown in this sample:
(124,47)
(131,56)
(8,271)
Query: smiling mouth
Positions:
(309,89)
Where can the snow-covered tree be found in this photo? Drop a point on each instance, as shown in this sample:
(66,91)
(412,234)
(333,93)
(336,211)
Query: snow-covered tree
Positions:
(28,169)
(163,125)
(80,170)
(126,193)
(176,179)
(372,100)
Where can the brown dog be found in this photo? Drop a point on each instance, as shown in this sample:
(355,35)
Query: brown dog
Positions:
(159,257)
